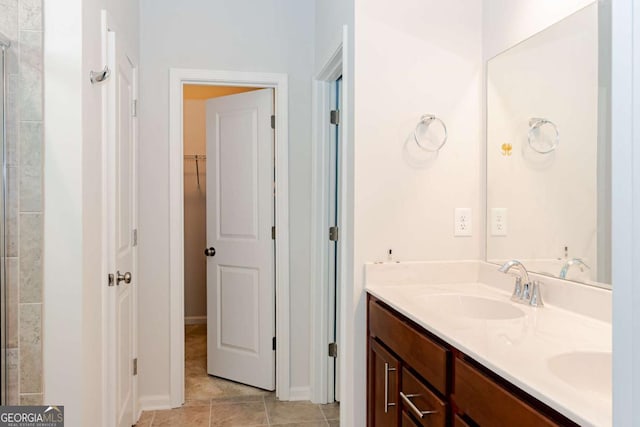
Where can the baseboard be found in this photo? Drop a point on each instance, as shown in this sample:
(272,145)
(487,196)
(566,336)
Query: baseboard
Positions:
(195,320)
(152,403)
(300,393)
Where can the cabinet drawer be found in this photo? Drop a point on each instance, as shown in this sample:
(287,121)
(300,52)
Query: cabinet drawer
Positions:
(424,355)
(459,422)
(416,393)
(487,403)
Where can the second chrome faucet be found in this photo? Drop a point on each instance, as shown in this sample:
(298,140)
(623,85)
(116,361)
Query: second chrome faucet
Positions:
(524,291)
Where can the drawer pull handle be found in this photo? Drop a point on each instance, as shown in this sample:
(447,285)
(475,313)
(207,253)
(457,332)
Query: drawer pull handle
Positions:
(414,408)
(387,369)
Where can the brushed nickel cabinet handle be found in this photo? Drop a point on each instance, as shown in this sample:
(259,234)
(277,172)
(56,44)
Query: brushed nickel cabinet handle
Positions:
(387,369)
(419,413)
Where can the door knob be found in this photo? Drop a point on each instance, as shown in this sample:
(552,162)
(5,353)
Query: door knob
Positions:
(126,277)
(210,251)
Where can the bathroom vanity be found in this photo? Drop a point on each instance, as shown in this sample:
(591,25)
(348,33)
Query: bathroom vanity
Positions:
(464,354)
(416,379)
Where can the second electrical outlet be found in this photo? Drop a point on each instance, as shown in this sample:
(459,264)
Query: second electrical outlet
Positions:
(462,222)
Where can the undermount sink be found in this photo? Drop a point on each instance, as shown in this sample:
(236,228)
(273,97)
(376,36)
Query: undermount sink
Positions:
(589,370)
(472,307)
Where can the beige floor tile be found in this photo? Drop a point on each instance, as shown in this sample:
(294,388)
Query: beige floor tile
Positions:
(237,399)
(293,412)
(195,416)
(145,419)
(334,423)
(198,384)
(331,411)
(200,402)
(239,414)
(311,424)
(229,403)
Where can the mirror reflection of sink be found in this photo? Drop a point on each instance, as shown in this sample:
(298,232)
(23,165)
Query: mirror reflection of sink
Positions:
(584,370)
(472,307)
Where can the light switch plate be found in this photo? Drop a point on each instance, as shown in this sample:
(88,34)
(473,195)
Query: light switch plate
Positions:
(498,221)
(462,222)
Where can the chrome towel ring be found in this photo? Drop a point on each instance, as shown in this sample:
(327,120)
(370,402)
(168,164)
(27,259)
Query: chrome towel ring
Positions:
(425,122)
(536,123)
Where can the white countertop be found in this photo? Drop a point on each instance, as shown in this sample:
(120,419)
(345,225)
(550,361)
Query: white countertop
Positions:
(519,349)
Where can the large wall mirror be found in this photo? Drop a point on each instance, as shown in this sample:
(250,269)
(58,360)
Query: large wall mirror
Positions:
(548,150)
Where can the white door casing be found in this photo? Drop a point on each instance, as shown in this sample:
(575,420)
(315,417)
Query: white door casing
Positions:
(178,77)
(121,160)
(333,287)
(240,215)
(324,389)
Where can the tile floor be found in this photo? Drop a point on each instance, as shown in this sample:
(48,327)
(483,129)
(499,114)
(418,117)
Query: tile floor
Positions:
(212,402)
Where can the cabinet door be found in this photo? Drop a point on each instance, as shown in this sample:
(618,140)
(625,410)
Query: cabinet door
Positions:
(407,421)
(382,385)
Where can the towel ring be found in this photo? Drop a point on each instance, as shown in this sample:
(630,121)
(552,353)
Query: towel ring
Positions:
(536,123)
(426,121)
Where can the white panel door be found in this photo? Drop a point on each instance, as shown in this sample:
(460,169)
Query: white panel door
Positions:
(240,214)
(122,172)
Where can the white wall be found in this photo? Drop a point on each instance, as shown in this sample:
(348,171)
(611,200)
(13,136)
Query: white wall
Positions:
(195,210)
(330,17)
(73,276)
(412,57)
(247,35)
(63,293)
(507,22)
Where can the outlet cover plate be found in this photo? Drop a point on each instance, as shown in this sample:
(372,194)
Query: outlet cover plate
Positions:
(498,221)
(462,222)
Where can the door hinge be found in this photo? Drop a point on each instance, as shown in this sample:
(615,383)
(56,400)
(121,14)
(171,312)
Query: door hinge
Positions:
(334,117)
(134,108)
(273,232)
(273,344)
(111,279)
(273,121)
(135,237)
(135,366)
(333,350)
(333,234)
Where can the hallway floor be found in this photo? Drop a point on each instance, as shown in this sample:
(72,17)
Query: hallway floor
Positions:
(212,402)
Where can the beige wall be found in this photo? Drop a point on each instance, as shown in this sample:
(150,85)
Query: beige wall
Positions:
(195,226)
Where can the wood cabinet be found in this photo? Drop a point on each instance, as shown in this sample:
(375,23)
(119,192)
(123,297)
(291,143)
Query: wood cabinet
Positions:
(415,379)
(383,387)
(418,384)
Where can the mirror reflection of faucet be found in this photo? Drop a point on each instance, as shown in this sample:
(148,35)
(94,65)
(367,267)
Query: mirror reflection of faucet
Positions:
(527,292)
(567,265)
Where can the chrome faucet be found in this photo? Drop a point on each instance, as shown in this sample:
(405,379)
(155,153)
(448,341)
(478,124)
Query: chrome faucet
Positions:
(524,291)
(567,265)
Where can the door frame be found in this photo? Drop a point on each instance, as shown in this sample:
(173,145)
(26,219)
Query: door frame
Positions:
(178,77)
(321,154)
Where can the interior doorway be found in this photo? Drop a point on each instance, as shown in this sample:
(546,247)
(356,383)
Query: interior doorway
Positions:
(242,336)
(328,227)
(334,186)
(229,249)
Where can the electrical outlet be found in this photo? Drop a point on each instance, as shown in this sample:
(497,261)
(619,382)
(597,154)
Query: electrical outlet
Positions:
(462,222)
(498,221)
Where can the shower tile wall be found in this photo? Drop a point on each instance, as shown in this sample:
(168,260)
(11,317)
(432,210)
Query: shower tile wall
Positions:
(21,21)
